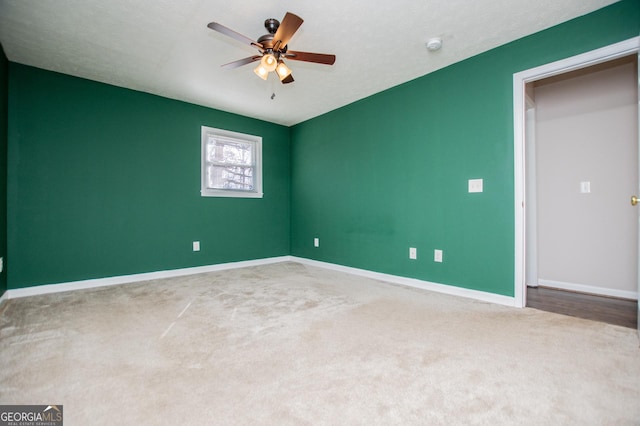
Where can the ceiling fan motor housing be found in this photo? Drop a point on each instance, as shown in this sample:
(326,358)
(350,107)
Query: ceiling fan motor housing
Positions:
(266,40)
(272,25)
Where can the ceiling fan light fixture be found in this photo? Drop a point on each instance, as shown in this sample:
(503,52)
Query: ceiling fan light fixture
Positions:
(283,71)
(269,62)
(274,48)
(261,72)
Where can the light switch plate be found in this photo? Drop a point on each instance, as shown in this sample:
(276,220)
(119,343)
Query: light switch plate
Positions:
(585,187)
(475,185)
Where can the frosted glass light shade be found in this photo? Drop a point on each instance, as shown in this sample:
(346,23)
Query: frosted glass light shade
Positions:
(269,62)
(283,71)
(261,72)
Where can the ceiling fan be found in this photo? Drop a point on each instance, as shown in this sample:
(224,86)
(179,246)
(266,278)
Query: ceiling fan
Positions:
(273,48)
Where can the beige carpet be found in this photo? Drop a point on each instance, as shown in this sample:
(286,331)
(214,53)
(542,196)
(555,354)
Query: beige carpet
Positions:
(292,344)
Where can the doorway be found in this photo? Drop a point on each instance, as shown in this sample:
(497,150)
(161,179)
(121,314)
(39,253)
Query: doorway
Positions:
(582,164)
(583,160)
(526,267)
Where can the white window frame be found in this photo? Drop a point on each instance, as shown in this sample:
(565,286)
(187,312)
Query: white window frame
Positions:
(256,141)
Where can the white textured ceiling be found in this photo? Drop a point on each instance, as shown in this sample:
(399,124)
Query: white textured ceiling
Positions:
(164,46)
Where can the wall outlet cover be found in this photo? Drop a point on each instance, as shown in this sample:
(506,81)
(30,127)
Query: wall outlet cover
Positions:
(475,185)
(437,255)
(413,253)
(316,242)
(196,246)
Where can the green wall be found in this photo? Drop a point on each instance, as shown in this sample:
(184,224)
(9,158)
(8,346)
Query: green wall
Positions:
(390,172)
(105,181)
(4,66)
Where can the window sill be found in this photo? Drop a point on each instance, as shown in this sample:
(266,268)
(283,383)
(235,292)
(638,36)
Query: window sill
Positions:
(231,194)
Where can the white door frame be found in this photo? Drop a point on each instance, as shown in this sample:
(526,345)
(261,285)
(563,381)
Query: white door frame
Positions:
(530,211)
(608,53)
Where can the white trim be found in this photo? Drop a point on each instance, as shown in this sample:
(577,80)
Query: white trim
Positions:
(412,282)
(584,288)
(593,57)
(126,279)
(530,211)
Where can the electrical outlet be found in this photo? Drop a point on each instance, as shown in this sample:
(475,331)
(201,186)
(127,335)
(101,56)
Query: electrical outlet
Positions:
(413,253)
(196,246)
(475,185)
(1,264)
(316,242)
(437,255)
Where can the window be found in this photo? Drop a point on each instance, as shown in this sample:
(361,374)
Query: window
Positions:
(231,164)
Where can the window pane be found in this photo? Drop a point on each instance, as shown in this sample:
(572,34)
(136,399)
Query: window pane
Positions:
(230,177)
(225,151)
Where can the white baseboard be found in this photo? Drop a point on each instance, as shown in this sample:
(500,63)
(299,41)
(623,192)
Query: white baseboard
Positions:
(413,282)
(583,288)
(125,279)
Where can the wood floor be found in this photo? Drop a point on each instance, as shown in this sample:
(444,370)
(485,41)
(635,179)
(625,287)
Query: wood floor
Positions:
(611,310)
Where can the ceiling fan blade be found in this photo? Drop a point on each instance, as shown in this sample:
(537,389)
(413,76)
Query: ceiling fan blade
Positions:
(318,58)
(286,30)
(229,32)
(288,79)
(241,62)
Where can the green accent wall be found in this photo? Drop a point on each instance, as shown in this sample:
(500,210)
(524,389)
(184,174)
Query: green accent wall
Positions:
(4,67)
(105,181)
(390,172)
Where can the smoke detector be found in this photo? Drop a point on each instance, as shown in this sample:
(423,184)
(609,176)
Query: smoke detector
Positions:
(434,44)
